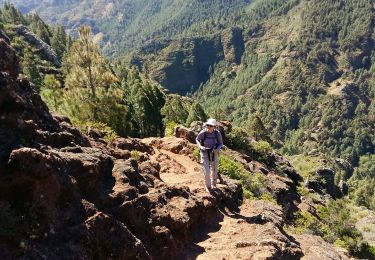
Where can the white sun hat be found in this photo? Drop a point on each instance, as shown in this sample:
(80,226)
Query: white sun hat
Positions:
(211,121)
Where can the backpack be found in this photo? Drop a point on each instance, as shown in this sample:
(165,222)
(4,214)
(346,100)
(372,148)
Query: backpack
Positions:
(205,136)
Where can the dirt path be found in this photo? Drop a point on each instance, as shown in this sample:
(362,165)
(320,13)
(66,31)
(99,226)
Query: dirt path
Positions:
(232,234)
(254,231)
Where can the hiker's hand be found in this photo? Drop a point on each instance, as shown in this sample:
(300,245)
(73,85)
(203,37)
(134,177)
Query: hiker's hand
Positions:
(203,148)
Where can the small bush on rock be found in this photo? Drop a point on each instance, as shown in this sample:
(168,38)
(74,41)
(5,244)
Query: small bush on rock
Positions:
(253,183)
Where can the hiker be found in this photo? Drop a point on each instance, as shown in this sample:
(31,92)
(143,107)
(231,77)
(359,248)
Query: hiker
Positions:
(210,142)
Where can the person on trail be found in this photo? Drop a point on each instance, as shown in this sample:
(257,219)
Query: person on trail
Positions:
(210,141)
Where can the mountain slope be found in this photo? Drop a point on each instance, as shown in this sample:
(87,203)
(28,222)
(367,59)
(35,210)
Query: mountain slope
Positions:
(123,25)
(311,83)
(306,67)
(116,199)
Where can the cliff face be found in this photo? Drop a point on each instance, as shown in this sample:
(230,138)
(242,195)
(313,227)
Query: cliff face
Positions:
(182,65)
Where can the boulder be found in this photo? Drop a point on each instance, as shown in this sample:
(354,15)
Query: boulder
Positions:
(185,133)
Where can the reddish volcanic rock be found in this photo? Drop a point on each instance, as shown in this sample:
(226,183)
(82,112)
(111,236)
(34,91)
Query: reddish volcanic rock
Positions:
(64,195)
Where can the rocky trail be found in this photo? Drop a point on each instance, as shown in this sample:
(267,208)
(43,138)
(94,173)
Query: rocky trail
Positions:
(252,231)
(227,236)
(232,233)
(68,195)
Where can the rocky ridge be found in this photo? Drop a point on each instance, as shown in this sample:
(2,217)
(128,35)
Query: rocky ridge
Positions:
(65,195)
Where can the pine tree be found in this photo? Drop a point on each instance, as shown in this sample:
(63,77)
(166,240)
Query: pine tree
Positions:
(255,128)
(30,69)
(40,28)
(196,113)
(145,99)
(52,92)
(59,41)
(11,15)
(175,109)
(85,67)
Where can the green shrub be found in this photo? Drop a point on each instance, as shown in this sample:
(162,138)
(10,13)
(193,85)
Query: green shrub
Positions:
(239,139)
(254,184)
(306,166)
(268,197)
(304,222)
(247,194)
(135,155)
(337,226)
(362,182)
(169,128)
(366,228)
(230,168)
(262,147)
(366,252)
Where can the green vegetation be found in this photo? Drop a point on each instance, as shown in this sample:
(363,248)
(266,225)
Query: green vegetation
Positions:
(254,185)
(256,128)
(306,166)
(86,68)
(144,20)
(182,110)
(295,74)
(306,85)
(51,92)
(362,183)
(336,225)
(297,86)
(135,155)
(239,139)
(97,94)
(89,89)
(91,94)
(34,64)
(196,154)
(306,89)
(169,128)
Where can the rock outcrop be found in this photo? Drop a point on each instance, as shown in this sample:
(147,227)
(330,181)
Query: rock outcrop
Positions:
(66,195)
(9,61)
(63,194)
(47,52)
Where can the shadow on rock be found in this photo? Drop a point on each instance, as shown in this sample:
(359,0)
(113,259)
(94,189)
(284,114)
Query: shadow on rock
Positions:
(193,250)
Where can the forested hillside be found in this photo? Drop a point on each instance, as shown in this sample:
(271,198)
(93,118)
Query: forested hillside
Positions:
(308,73)
(123,25)
(40,46)
(295,75)
(305,67)
(75,79)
